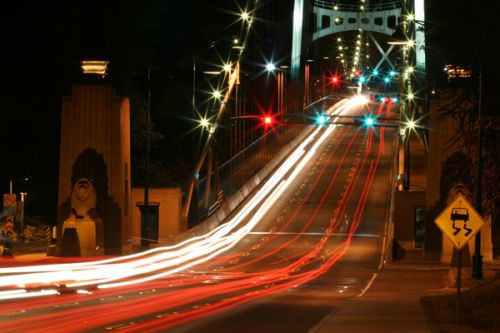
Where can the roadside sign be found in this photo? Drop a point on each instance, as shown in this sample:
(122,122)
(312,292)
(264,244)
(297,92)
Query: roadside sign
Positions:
(459,222)
(9,204)
(8,228)
(9,200)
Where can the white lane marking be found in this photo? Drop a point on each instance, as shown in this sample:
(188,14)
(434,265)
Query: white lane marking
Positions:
(368,285)
(390,208)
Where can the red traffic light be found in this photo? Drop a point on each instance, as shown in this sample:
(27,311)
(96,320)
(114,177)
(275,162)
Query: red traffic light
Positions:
(268,120)
(335,79)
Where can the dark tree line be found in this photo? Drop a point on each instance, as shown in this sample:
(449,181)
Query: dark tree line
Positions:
(464,34)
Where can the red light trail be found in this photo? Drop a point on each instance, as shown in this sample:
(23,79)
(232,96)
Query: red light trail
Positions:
(232,287)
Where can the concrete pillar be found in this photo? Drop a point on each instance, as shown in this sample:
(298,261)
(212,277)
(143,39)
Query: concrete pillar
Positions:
(95,144)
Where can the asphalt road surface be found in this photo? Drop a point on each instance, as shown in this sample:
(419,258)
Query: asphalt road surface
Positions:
(318,243)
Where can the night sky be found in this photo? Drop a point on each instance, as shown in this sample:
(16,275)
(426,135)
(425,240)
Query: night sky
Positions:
(42,42)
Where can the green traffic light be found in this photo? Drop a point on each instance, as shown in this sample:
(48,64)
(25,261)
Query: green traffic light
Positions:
(321,119)
(369,121)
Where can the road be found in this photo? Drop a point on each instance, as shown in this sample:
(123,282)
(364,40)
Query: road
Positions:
(312,241)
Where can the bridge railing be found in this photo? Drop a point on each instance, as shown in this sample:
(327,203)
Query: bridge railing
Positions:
(240,168)
(355,8)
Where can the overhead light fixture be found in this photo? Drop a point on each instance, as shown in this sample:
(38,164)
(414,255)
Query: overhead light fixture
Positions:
(216,94)
(227,67)
(270,67)
(245,16)
(98,67)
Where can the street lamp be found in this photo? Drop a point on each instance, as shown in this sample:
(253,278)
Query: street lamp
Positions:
(26,178)
(270,67)
(409,126)
(148,144)
(245,16)
(400,38)
(204,123)
(227,68)
(216,94)
(477,258)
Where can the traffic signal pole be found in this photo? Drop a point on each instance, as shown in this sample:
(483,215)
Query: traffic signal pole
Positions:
(477,259)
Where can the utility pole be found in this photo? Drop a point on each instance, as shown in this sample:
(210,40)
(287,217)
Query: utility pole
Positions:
(477,259)
(146,167)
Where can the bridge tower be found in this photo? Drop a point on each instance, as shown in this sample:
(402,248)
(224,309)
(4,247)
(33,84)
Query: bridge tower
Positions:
(398,21)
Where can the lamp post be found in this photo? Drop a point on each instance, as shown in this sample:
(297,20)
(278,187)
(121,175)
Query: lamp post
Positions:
(26,178)
(477,258)
(146,164)
(232,78)
(193,213)
(409,127)
(406,106)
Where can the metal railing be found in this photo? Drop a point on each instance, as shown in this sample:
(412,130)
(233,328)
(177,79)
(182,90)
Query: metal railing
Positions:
(240,168)
(356,8)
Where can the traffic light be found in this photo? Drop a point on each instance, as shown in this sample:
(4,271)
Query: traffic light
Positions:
(321,119)
(369,121)
(394,99)
(268,120)
(335,79)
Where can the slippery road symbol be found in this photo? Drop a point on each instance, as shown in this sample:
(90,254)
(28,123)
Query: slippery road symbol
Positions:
(459,221)
(460,214)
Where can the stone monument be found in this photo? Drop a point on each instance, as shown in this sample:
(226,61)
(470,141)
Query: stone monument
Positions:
(95,158)
(85,220)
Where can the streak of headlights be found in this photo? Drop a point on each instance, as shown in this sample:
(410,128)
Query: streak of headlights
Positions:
(184,255)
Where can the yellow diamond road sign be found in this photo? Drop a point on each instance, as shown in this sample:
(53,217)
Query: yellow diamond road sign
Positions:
(459,222)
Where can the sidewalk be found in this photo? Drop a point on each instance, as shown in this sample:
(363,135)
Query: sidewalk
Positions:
(25,252)
(392,302)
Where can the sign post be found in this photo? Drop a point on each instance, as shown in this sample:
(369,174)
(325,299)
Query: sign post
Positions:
(459,222)
(459,288)
(9,209)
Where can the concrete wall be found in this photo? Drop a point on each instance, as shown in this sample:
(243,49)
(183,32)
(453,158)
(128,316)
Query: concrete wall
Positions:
(404,216)
(169,201)
(448,173)
(95,144)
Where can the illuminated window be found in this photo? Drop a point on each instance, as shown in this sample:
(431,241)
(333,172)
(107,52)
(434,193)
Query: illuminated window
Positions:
(458,72)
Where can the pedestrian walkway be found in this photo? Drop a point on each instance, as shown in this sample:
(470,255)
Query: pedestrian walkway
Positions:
(391,303)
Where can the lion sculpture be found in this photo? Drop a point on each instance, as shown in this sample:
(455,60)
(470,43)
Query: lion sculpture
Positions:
(83,199)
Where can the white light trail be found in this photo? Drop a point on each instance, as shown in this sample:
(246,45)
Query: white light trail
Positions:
(194,251)
(25,294)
